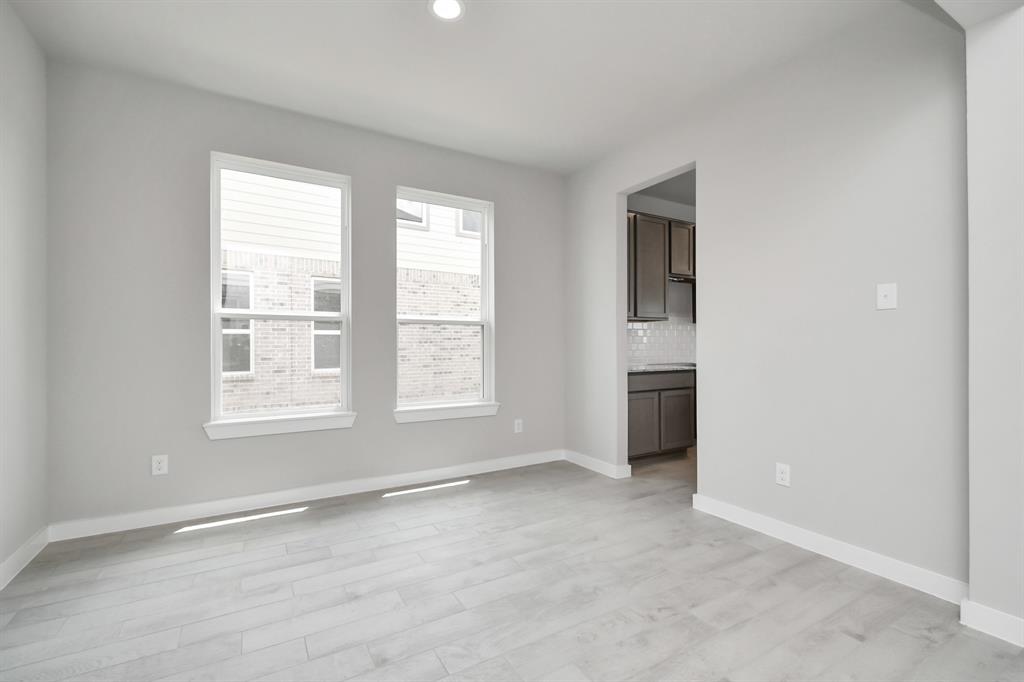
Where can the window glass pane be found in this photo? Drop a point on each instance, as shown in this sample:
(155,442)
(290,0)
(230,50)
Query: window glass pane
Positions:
(410,211)
(321,326)
(282,376)
(235,290)
(327,295)
(472,221)
(235,324)
(438,270)
(237,351)
(284,233)
(438,363)
(327,351)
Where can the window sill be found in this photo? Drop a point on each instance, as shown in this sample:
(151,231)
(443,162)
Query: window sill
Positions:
(429,413)
(265,426)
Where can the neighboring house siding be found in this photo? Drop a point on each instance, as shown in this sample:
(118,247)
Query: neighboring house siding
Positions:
(299,220)
(440,247)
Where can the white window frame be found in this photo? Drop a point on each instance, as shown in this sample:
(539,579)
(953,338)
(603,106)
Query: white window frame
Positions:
(325,371)
(252,297)
(487,404)
(277,421)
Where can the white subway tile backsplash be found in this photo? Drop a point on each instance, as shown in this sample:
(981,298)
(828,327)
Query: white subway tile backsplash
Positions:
(674,340)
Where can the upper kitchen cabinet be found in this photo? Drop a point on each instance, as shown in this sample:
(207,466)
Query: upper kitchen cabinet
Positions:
(682,263)
(631,265)
(650,242)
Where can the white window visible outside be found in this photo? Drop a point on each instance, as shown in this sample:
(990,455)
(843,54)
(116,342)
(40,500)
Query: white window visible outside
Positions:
(280,253)
(470,223)
(445,307)
(236,294)
(326,334)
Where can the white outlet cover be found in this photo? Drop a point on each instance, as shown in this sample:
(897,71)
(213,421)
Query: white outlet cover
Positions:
(887,296)
(782,474)
(517,426)
(159,465)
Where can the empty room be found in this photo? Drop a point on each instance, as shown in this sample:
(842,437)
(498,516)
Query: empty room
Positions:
(512,340)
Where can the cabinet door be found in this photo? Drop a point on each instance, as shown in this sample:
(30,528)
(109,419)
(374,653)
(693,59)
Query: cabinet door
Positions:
(630,265)
(678,418)
(651,266)
(644,436)
(682,262)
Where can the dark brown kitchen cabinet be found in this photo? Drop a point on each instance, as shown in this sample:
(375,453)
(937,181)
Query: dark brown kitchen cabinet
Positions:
(681,249)
(678,418)
(630,265)
(644,418)
(650,267)
(662,412)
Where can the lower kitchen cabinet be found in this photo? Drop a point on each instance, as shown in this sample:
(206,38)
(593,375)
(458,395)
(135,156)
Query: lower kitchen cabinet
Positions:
(662,413)
(678,418)
(644,423)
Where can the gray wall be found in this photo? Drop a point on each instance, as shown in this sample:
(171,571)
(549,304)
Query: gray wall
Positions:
(995,134)
(22,284)
(817,180)
(129,298)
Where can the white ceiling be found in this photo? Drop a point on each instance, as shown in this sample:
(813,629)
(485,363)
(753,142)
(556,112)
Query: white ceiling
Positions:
(549,83)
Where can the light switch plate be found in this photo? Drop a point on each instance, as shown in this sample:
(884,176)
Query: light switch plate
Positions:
(887,296)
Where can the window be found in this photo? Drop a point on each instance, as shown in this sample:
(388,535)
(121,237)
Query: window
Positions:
(280,322)
(326,335)
(470,223)
(445,308)
(236,334)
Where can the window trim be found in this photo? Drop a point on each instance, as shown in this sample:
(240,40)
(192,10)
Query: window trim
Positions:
(487,404)
(251,372)
(321,371)
(277,421)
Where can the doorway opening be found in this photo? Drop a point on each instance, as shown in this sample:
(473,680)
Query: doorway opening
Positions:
(661,328)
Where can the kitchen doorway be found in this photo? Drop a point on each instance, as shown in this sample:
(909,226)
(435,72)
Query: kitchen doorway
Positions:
(661,327)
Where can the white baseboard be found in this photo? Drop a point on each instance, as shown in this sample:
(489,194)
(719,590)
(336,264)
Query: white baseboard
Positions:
(993,622)
(930,582)
(12,565)
(67,530)
(599,465)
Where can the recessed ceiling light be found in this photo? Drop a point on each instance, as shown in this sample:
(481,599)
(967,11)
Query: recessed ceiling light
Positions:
(447,10)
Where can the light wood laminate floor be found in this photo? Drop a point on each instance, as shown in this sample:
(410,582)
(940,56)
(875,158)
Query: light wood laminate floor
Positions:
(547,572)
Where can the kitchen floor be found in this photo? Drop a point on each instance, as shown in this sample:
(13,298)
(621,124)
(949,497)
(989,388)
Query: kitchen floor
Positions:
(546,572)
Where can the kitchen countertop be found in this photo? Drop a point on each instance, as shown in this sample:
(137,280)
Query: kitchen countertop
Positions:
(663,367)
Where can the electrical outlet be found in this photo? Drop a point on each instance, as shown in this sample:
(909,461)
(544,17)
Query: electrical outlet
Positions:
(517,426)
(887,296)
(159,464)
(782,474)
